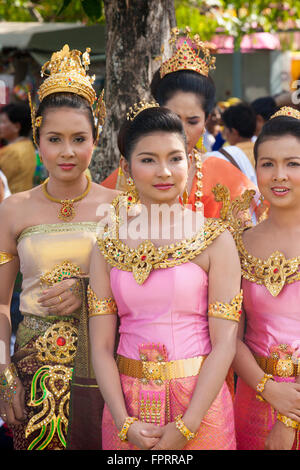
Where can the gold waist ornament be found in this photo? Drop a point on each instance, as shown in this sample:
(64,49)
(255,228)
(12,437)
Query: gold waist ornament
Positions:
(279,367)
(159,371)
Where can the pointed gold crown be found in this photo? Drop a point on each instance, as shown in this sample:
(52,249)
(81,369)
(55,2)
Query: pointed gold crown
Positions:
(287,111)
(187,55)
(67,73)
(137,108)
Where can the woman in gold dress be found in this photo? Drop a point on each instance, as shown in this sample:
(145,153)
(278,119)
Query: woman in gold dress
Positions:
(48,233)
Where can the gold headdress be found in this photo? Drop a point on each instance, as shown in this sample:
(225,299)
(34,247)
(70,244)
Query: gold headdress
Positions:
(187,56)
(138,108)
(287,111)
(67,73)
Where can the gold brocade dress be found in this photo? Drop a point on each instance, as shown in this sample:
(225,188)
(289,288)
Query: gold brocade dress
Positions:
(46,346)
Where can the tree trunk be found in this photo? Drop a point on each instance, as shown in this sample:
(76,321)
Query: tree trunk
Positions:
(135,32)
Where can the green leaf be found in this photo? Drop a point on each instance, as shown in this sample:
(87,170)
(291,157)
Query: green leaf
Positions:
(92,8)
(64,5)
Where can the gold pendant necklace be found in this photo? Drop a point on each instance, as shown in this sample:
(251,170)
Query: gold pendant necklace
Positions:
(67,211)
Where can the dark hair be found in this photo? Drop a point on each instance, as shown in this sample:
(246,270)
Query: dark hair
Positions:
(187,81)
(19,113)
(241,117)
(277,127)
(147,122)
(265,107)
(68,100)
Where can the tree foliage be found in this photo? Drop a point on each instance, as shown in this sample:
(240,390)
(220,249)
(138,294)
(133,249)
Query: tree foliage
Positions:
(85,11)
(237,18)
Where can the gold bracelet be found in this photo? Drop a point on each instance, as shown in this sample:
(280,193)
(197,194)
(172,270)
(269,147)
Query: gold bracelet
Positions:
(8,383)
(127,423)
(290,423)
(261,386)
(231,311)
(106,306)
(183,429)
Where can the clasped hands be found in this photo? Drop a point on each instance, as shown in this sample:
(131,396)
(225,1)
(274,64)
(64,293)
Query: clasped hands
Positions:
(63,298)
(285,398)
(148,436)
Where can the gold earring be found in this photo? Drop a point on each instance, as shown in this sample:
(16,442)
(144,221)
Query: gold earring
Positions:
(131,193)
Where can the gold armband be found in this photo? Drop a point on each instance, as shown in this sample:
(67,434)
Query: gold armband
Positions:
(5,257)
(106,306)
(127,423)
(8,383)
(261,386)
(230,311)
(290,423)
(183,429)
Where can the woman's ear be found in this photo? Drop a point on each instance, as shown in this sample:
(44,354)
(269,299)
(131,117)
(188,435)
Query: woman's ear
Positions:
(124,164)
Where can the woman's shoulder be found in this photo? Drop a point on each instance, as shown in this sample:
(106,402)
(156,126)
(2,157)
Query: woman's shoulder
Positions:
(107,195)
(16,202)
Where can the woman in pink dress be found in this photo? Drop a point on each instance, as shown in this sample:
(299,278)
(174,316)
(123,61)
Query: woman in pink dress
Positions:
(267,404)
(178,299)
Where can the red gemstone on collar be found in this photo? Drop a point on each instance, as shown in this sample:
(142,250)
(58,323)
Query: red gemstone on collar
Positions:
(60,341)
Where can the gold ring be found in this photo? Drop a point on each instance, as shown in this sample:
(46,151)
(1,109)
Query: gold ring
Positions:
(60,299)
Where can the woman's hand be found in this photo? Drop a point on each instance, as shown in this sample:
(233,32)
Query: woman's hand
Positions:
(144,435)
(64,298)
(171,439)
(280,437)
(14,413)
(284,397)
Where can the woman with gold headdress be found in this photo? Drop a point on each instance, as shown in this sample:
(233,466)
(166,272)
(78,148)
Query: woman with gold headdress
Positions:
(48,232)
(174,281)
(267,402)
(183,84)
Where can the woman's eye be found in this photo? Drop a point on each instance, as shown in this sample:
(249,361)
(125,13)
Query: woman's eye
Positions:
(147,160)
(53,139)
(193,123)
(266,164)
(178,158)
(79,139)
(293,164)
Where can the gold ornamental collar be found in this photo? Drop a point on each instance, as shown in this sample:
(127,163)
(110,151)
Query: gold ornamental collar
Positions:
(146,257)
(274,273)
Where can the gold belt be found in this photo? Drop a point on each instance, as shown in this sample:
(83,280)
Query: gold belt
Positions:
(279,367)
(161,370)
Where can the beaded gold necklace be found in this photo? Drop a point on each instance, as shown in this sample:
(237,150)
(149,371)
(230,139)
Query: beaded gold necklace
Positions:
(198,193)
(67,211)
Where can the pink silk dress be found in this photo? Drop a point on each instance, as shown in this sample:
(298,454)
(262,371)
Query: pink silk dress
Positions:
(167,314)
(271,322)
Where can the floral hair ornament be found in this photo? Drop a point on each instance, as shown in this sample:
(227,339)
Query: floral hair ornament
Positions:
(66,71)
(287,111)
(190,53)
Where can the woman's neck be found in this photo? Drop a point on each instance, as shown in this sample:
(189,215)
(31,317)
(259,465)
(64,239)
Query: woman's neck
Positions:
(283,218)
(66,189)
(13,140)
